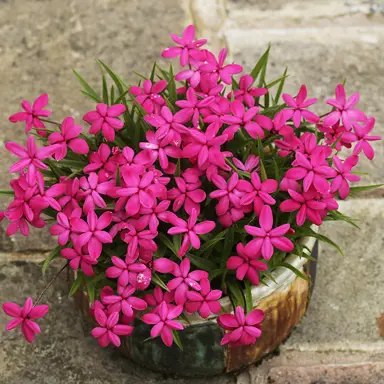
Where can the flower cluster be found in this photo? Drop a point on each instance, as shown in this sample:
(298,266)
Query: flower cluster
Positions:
(183,190)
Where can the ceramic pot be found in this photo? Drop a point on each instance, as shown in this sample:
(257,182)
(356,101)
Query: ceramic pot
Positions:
(284,302)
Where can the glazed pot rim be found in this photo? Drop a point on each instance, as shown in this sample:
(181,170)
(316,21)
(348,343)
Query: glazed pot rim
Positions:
(281,276)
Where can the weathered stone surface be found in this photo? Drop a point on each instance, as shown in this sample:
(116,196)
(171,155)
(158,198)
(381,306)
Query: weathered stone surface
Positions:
(40,43)
(321,58)
(348,295)
(63,353)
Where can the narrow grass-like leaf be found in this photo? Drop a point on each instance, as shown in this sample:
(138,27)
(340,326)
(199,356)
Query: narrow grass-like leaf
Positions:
(260,64)
(156,279)
(364,188)
(202,263)
(87,88)
(295,271)
(248,296)
(53,255)
(177,340)
(280,88)
(76,285)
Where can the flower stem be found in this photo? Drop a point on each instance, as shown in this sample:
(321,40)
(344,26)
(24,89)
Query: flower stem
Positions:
(50,122)
(50,283)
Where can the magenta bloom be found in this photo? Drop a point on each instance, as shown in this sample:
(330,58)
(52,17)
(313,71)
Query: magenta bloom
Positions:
(68,137)
(257,192)
(226,194)
(246,94)
(24,317)
(77,258)
(206,146)
(190,230)
(148,95)
(246,264)
(164,322)
(64,227)
(344,109)
(214,65)
(313,170)
(250,164)
(205,301)
(340,182)
(101,161)
(109,330)
(266,237)
(92,234)
(186,194)
(249,119)
(298,107)
(192,105)
(122,270)
(362,134)
(124,301)
(152,215)
(104,118)
(30,157)
(307,205)
(92,191)
(31,114)
(187,43)
(243,330)
(184,279)
(158,296)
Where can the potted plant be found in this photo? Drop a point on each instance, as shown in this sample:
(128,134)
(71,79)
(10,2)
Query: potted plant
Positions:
(187,213)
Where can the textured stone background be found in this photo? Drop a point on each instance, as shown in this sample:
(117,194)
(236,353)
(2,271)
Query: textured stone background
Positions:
(321,43)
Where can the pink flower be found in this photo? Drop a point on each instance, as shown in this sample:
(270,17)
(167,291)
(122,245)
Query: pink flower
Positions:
(30,157)
(77,258)
(161,148)
(241,118)
(158,296)
(92,234)
(192,105)
(122,270)
(32,114)
(187,43)
(92,189)
(306,204)
(337,135)
(68,137)
(104,118)
(101,161)
(124,301)
(250,164)
(25,317)
(205,301)
(340,182)
(148,95)
(166,123)
(299,107)
(226,194)
(164,323)
(245,93)
(344,109)
(184,279)
(362,133)
(313,170)
(151,215)
(186,194)
(257,192)
(246,264)
(243,330)
(214,65)
(206,147)
(190,230)
(70,201)
(64,227)
(266,237)
(109,330)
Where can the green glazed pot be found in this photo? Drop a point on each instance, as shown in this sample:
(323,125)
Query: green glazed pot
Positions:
(283,300)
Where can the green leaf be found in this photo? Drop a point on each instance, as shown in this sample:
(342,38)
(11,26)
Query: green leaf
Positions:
(119,83)
(202,263)
(91,290)
(338,216)
(121,97)
(260,64)
(172,86)
(152,77)
(87,88)
(363,188)
(76,285)
(295,271)
(156,279)
(212,242)
(248,296)
(177,340)
(236,294)
(53,255)
(105,91)
(277,170)
(168,243)
(260,148)
(263,173)
(277,81)
(96,99)
(312,233)
(7,193)
(280,88)
(228,245)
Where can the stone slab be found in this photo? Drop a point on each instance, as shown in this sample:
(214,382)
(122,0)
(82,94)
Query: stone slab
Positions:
(321,58)
(348,296)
